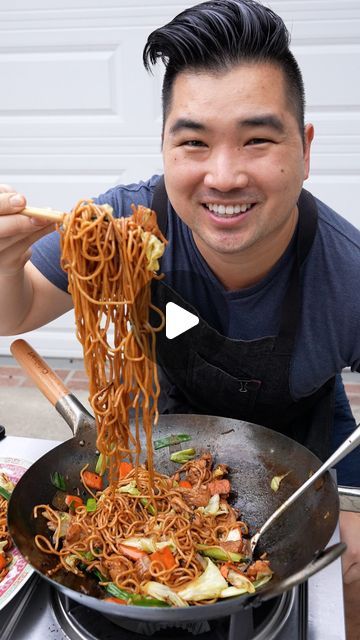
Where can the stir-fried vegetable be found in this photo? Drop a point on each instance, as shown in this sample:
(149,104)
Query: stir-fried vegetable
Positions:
(214,507)
(168,441)
(163,592)
(6,486)
(124,469)
(93,480)
(217,553)
(207,586)
(73,502)
(275,482)
(183,456)
(90,505)
(154,250)
(165,557)
(58,481)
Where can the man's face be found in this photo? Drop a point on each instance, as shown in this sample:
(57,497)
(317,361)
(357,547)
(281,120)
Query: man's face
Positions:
(234,158)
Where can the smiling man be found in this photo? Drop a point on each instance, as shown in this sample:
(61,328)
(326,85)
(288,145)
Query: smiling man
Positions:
(271,271)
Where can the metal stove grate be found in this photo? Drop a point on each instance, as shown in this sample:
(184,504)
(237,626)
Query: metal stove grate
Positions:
(261,623)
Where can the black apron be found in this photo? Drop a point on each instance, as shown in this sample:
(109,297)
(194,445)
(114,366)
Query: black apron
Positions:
(204,372)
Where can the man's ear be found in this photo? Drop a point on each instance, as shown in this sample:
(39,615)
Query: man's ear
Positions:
(308,138)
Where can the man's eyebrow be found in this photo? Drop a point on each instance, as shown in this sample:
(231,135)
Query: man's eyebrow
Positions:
(186,123)
(265,120)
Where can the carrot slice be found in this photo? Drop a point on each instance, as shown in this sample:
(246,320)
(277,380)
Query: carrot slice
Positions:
(2,561)
(93,480)
(124,469)
(73,501)
(113,599)
(132,552)
(224,570)
(185,484)
(164,556)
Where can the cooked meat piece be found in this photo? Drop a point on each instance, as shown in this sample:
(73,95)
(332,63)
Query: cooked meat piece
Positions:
(228,519)
(246,548)
(142,568)
(260,566)
(220,470)
(179,505)
(195,469)
(233,546)
(221,487)
(73,533)
(114,567)
(196,497)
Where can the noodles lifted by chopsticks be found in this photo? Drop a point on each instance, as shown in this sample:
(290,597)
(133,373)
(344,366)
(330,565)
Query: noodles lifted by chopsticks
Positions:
(110,263)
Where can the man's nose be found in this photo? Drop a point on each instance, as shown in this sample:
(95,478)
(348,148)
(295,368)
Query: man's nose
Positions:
(226,171)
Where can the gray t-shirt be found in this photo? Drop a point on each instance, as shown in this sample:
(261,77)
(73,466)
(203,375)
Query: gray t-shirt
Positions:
(328,338)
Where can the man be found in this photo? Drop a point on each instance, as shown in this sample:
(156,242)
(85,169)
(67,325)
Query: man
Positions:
(270,271)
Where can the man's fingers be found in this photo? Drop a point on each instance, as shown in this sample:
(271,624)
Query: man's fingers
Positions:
(4,188)
(11,202)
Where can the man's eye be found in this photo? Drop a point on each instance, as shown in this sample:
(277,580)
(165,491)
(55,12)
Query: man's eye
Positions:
(193,143)
(255,141)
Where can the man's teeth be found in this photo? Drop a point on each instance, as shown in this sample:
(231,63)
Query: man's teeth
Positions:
(228,210)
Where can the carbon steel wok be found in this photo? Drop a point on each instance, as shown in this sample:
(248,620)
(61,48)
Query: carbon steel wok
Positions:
(254,454)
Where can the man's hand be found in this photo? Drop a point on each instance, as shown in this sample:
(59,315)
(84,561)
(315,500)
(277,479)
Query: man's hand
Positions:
(17,232)
(350,534)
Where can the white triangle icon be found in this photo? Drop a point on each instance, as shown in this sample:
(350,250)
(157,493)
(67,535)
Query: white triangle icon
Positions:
(178,320)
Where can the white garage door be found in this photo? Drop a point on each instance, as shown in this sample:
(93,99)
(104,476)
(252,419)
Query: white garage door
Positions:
(78,113)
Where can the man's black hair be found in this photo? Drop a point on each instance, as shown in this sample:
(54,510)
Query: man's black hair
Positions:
(217,35)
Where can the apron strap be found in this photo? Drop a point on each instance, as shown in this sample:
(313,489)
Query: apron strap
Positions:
(159,204)
(307,227)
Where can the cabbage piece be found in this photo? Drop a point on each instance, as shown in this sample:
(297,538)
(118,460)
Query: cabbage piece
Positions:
(64,525)
(213,507)
(275,482)
(72,560)
(6,483)
(149,544)
(240,582)
(154,250)
(233,535)
(230,592)
(130,488)
(207,586)
(162,592)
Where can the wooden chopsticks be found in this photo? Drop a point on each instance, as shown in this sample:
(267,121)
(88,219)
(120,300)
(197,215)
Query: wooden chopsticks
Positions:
(44,214)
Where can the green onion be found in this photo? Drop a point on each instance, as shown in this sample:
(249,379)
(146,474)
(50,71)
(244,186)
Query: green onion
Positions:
(183,456)
(133,598)
(5,494)
(144,601)
(217,553)
(170,440)
(148,506)
(58,481)
(90,505)
(101,464)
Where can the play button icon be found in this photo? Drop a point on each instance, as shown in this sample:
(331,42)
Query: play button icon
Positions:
(178,320)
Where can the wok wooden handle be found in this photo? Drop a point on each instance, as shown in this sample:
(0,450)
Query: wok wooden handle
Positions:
(39,371)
